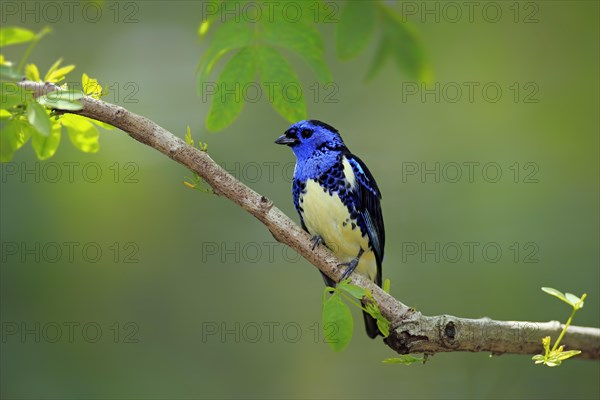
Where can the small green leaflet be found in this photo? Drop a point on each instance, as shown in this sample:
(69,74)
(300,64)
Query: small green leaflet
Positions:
(406,359)
(568,298)
(83,134)
(387,285)
(356,26)
(355,291)
(13,35)
(336,315)
(56,74)
(280,84)
(8,72)
(45,146)
(62,100)
(37,116)
(226,38)
(13,136)
(304,40)
(406,48)
(32,73)
(228,99)
(383,52)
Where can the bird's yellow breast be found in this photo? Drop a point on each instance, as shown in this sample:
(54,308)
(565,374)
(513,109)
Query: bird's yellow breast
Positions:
(326,216)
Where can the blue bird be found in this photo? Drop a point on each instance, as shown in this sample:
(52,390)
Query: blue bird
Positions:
(338,201)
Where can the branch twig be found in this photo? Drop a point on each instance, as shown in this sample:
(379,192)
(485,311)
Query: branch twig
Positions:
(411,331)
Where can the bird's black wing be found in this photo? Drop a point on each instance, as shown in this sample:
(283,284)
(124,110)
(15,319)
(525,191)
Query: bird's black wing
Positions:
(369,207)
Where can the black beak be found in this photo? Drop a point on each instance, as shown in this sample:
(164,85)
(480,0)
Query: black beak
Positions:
(285,139)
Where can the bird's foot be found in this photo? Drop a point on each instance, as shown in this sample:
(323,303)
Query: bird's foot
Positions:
(316,240)
(351,265)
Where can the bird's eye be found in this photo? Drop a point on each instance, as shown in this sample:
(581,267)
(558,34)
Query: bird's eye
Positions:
(306,133)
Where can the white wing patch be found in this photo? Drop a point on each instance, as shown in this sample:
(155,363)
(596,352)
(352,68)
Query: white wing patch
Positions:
(349,172)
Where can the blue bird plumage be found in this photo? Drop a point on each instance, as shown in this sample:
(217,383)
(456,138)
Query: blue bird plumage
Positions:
(338,200)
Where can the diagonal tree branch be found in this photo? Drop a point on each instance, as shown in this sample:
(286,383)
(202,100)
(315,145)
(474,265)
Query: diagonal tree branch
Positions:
(411,332)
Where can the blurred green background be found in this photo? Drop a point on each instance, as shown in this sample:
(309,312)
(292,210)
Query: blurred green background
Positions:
(212,307)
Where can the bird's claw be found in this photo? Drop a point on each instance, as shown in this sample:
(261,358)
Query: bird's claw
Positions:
(351,266)
(316,240)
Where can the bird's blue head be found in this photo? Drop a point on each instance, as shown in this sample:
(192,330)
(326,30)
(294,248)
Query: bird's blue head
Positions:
(312,138)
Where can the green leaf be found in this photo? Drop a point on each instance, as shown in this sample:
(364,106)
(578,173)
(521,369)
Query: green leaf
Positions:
(383,52)
(405,359)
(337,315)
(13,136)
(188,137)
(83,134)
(227,37)
(37,116)
(387,286)
(45,146)
(56,74)
(62,100)
(32,73)
(357,22)
(568,354)
(408,52)
(303,39)
(60,104)
(353,290)
(91,86)
(383,324)
(8,72)
(12,94)
(556,293)
(13,35)
(538,358)
(228,99)
(8,139)
(281,84)
(572,299)
(4,114)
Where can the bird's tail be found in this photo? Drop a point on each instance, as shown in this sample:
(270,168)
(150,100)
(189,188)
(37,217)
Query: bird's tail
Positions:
(370,322)
(371,326)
